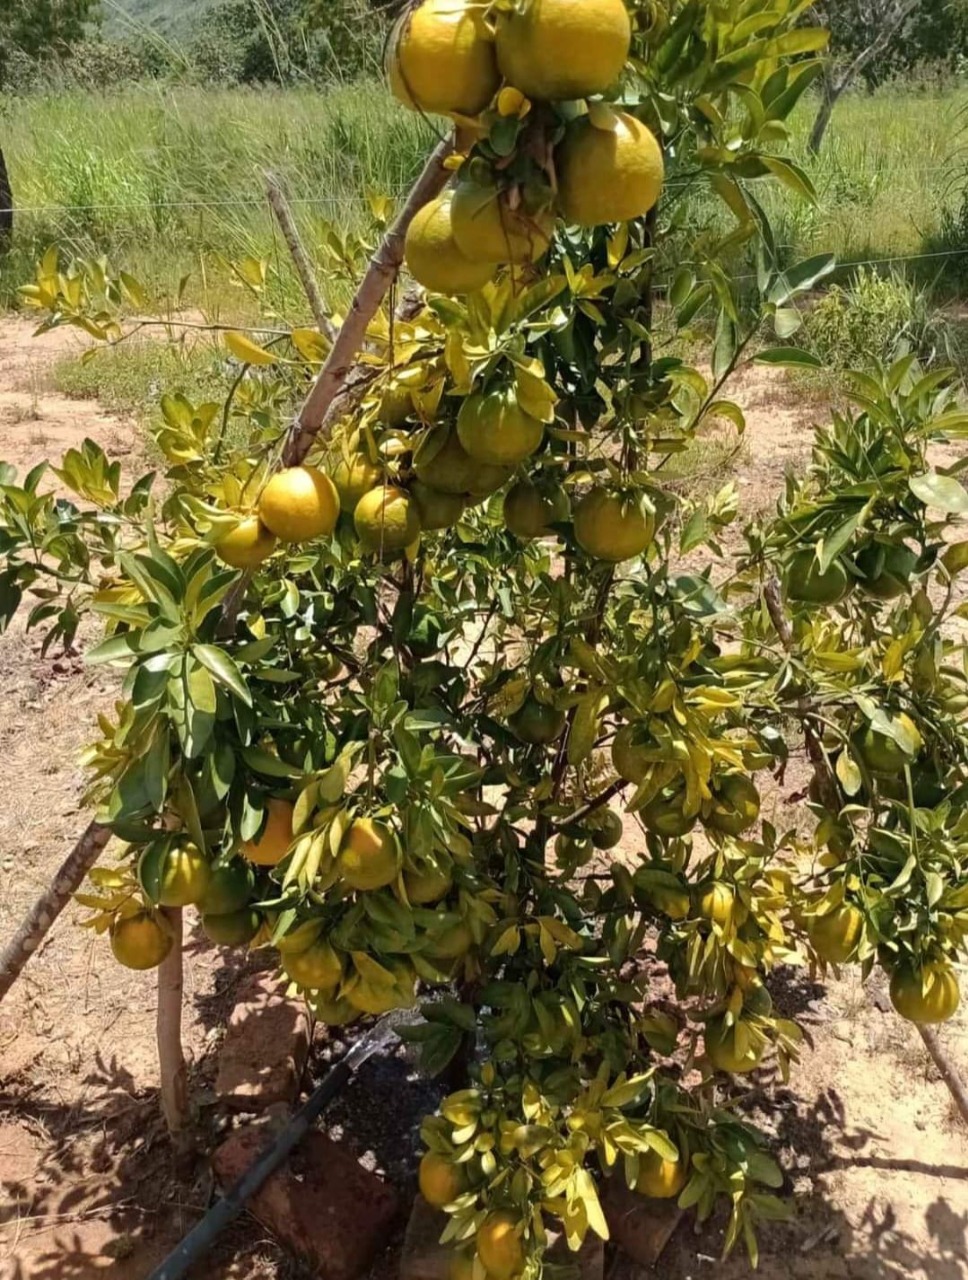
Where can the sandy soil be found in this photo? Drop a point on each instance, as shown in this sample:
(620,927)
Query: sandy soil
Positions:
(865,1129)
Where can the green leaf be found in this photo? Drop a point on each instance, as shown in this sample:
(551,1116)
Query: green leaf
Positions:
(270,766)
(941,492)
(113,650)
(224,670)
(788,358)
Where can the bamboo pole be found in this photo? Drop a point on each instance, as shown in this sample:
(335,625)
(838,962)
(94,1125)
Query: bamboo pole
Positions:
(37,923)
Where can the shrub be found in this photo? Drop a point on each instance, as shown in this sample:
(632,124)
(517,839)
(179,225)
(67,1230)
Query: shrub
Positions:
(873,319)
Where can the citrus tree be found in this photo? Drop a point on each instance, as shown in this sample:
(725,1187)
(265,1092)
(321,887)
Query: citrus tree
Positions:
(450,693)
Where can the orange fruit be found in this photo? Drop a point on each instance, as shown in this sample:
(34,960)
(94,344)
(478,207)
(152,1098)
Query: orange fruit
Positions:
(233,928)
(174,876)
(723,1052)
(386,520)
(612,527)
(608,175)
(432,255)
(440,1181)
(661,1179)
(926,996)
(494,429)
(735,805)
(299,504)
(272,843)
(437,510)
(442,59)
(369,857)
(247,545)
(140,941)
(317,967)
(425,887)
(529,511)
(835,935)
(230,886)
(499,1245)
(537,724)
(487,228)
(556,50)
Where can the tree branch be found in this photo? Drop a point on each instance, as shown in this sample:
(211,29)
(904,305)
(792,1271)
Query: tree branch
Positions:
(383,270)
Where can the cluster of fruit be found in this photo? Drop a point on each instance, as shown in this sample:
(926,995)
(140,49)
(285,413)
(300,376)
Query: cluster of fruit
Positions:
(452,57)
(227,894)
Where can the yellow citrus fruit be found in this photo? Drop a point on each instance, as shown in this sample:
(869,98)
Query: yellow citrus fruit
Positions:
(441,463)
(563,49)
(606,828)
(140,941)
(926,996)
(661,1179)
(665,814)
(386,520)
(803,582)
(354,476)
(425,887)
(882,754)
(722,1050)
(247,545)
(716,904)
(608,175)
(304,935)
(174,876)
(630,757)
(272,843)
(317,968)
(440,1181)
(674,903)
(529,512)
(432,255)
(499,1246)
(461,1265)
(378,998)
(230,886)
(835,935)
(232,928)
(452,943)
(537,724)
(437,510)
(735,805)
(442,58)
(369,857)
(488,229)
(299,504)
(609,526)
(493,428)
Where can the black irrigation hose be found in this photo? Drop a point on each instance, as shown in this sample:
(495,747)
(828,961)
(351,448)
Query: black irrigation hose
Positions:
(202,1236)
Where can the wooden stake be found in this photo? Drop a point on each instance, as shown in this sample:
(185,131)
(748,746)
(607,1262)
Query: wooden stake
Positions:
(290,233)
(168,1028)
(37,923)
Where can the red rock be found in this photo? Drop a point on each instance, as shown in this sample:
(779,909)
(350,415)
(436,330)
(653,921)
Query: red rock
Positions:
(322,1205)
(266,1044)
(640,1226)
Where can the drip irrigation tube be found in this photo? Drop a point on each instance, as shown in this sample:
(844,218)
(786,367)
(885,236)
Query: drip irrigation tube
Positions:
(202,1236)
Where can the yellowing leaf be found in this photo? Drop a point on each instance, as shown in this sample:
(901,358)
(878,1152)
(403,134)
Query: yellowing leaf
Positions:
(247,351)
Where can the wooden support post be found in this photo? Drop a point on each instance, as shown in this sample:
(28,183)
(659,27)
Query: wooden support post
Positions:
(37,923)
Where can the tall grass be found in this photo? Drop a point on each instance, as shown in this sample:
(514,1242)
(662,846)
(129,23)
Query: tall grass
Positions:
(170,181)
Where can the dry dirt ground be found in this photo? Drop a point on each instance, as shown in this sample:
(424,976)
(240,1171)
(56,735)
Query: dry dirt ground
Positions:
(865,1129)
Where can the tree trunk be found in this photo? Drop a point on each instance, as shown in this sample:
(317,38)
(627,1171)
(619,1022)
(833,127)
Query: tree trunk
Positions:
(831,92)
(6,207)
(37,923)
(171,1058)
